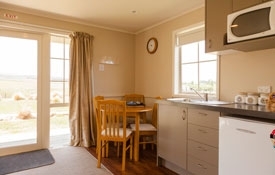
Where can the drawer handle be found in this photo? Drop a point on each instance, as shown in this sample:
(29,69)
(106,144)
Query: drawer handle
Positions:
(202,113)
(245,131)
(202,131)
(201,148)
(201,166)
(183,114)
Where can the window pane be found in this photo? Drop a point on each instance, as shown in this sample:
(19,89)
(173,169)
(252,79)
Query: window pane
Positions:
(208,72)
(67,70)
(67,48)
(57,70)
(189,76)
(189,53)
(56,92)
(57,50)
(66,92)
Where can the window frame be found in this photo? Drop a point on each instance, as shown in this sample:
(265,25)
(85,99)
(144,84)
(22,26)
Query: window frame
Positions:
(176,69)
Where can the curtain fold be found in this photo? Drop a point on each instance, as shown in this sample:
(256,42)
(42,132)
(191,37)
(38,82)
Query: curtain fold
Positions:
(81,111)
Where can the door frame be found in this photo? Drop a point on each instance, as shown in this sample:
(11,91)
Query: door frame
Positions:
(43,89)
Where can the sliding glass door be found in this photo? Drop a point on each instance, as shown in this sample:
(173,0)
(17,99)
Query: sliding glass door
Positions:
(21,87)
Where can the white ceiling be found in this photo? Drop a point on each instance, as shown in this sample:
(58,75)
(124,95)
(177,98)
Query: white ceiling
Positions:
(124,15)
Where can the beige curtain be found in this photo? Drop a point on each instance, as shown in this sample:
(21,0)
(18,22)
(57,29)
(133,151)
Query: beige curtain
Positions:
(81,110)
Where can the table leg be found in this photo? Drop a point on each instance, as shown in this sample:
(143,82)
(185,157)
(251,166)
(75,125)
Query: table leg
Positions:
(136,139)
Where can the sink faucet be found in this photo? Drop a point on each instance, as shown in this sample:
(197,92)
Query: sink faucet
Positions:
(205,97)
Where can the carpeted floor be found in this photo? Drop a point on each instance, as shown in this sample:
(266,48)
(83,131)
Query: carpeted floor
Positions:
(69,161)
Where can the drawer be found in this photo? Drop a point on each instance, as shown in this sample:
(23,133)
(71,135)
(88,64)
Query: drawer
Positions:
(204,118)
(199,167)
(203,152)
(204,135)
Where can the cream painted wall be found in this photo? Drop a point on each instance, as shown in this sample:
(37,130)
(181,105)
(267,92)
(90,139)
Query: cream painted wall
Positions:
(153,72)
(245,71)
(115,80)
(239,72)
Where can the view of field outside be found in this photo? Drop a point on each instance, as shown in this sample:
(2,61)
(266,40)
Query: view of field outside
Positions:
(18,94)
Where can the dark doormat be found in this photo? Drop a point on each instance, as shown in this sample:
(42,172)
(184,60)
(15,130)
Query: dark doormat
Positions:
(24,161)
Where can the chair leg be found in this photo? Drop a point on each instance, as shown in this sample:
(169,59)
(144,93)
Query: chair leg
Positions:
(123,155)
(118,149)
(131,148)
(99,154)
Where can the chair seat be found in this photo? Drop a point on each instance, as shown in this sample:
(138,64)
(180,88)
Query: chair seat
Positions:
(109,130)
(144,127)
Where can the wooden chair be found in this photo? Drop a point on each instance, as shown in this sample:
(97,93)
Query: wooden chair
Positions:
(135,98)
(95,100)
(110,114)
(148,129)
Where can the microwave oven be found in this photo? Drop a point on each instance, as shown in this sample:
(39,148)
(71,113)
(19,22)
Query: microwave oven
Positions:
(251,23)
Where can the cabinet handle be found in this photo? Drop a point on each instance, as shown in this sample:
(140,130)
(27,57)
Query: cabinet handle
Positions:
(201,148)
(209,43)
(202,131)
(202,113)
(183,114)
(201,166)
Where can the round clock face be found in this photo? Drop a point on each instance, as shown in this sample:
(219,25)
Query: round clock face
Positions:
(152,45)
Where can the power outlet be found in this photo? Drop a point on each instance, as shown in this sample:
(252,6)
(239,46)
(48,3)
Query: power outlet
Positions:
(264,89)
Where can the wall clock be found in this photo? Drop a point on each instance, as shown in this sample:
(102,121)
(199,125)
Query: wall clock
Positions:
(152,45)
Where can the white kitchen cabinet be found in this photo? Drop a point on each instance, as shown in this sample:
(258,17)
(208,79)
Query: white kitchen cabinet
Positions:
(203,136)
(172,134)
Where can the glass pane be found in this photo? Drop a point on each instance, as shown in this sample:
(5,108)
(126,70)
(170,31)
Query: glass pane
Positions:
(208,72)
(59,126)
(18,91)
(56,92)
(67,70)
(57,70)
(189,77)
(57,50)
(67,92)
(67,48)
(189,53)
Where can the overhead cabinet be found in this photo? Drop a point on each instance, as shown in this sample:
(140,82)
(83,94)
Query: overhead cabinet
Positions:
(239,5)
(216,12)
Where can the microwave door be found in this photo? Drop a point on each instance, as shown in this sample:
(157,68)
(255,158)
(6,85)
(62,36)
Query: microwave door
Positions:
(251,23)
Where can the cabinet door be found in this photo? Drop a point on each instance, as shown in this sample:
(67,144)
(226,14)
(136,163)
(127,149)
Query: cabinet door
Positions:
(172,134)
(216,12)
(239,5)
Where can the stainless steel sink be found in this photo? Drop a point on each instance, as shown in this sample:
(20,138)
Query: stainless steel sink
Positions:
(210,102)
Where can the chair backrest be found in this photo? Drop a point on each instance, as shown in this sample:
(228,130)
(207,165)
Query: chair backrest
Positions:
(155,113)
(110,115)
(134,97)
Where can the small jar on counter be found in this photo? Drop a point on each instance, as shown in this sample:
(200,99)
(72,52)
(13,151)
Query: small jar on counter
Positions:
(252,98)
(262,100)
(240,98)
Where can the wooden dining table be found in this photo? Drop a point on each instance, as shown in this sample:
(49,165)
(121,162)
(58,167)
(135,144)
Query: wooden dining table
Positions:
(136,111)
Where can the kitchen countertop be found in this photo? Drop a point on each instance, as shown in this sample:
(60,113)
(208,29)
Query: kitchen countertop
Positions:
(234,109)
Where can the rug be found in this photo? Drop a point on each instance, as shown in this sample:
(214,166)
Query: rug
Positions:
(24,161)
(69,160)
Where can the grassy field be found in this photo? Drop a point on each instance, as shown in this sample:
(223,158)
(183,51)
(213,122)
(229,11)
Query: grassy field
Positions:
(10,124)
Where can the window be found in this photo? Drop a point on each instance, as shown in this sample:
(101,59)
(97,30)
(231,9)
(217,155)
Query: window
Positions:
(193,68)
(59,70)
(59,91)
